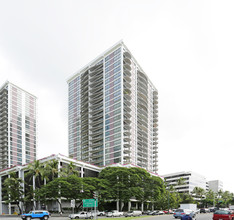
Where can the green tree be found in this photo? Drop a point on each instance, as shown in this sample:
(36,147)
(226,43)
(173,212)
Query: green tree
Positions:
(158,190)
(227,198)
(69,169)
(36,170)
(187,198)
(209,198)
(14,190)
(55,190)
(51,169)
(122,184)
(199,194)
(174,196)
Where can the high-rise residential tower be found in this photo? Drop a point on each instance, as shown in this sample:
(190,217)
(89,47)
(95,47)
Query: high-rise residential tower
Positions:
(18,126)
(113,112)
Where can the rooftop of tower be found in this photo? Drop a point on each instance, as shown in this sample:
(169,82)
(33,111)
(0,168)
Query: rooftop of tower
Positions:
(7,82)
(100,57)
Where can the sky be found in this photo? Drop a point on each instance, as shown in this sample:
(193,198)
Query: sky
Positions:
(185,47)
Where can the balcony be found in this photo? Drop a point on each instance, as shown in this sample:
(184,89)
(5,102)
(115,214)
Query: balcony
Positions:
(127,66)
(127,54)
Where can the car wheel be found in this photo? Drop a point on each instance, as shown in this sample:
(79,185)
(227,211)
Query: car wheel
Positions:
(28,218)
(76,217)
(45,217)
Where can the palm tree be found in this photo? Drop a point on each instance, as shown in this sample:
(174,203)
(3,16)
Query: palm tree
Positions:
(199,192)
(181,181)
(227,197)
(51,169)
(69,170)
(36,171)
(14,190)
(210,197)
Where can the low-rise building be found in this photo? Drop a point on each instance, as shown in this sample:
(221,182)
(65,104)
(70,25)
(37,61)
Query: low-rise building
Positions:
(190,180)
(84,169)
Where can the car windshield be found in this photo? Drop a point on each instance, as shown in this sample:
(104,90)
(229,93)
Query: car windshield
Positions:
(222,212)
(179,210)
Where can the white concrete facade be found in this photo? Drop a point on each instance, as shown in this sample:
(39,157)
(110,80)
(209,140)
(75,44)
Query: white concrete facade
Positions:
(191,180)
(215,185)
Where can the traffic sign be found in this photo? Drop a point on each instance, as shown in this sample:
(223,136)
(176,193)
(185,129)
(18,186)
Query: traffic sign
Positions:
(88,203)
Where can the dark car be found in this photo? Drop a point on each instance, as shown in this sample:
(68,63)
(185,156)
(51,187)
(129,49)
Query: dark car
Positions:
(213,209)
(202,211)
(179,213)
(223,215)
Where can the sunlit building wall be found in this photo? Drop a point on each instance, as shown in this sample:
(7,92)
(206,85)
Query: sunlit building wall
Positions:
(185,182)
(18,126)
(113,110)
(216,185)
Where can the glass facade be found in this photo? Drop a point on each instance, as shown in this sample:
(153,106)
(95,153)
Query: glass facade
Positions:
(113,117)
(20,126)
(113,112)
(74,119)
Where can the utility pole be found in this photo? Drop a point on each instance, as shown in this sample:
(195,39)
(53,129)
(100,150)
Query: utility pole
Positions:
(95,196)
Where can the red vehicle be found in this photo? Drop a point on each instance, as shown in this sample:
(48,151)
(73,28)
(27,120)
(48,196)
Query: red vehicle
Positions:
(223,215)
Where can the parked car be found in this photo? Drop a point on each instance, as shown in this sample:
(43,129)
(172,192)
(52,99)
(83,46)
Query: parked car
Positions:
(179,213)
(156,212)
(168,212)
(223,215)
(204,210)
(213,209)
(133,213)
(160,212)
(153,213)
(146,212)
(99,213)
(114,213)
(82,214)
(41,214)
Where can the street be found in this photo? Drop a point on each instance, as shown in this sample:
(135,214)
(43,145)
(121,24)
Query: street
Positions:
(160,217)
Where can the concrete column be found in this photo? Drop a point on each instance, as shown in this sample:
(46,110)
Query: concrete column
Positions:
(117,204)
(129,205)
(122,205)
(59,168)
(142,206)
(136,205)
(21,175)
(34,187)
(82,172)
(9,205)
(0,195)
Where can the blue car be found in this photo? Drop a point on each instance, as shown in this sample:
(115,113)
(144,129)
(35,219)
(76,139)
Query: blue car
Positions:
(41,214)
(179,213)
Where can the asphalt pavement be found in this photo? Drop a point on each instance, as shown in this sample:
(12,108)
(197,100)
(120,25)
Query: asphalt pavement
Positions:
(160,217)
